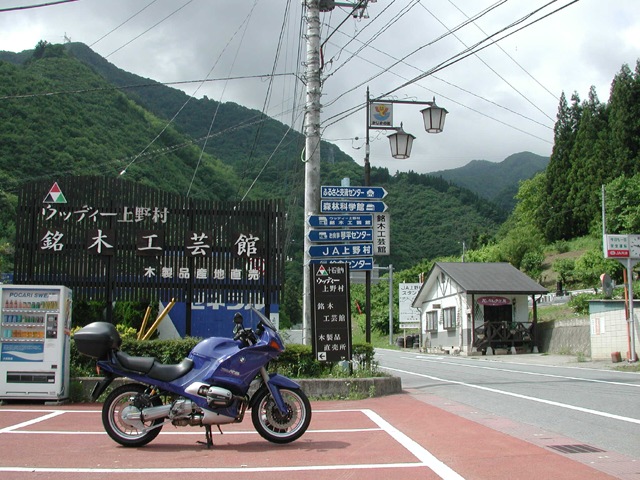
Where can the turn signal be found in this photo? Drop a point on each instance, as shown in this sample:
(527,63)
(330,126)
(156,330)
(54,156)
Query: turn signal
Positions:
(275,345)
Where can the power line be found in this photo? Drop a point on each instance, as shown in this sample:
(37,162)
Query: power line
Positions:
(508,55)
(432,42)
(150,28)
(127,20)
(27,7)
(145,85)
(491,68)
(457,57)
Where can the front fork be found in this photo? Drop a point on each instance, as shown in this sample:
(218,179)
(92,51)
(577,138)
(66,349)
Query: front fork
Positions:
(274,391)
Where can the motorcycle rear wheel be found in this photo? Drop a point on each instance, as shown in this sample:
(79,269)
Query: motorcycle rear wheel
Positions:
(128,401)
(275,427)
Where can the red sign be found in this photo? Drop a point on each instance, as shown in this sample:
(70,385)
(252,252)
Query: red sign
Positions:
(494,301)
(617,253)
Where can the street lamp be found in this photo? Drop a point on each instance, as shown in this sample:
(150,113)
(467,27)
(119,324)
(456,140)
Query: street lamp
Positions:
(380,117)
(433,117)
(401,143)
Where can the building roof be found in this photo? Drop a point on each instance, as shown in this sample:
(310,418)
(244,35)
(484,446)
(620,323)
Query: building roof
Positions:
(483,278)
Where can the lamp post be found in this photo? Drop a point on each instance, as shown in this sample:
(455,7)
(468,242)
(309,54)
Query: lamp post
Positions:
(380,117)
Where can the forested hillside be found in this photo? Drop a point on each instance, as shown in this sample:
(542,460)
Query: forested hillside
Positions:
(497,182)
(66,111)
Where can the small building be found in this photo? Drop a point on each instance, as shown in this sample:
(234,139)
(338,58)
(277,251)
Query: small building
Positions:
(469,307)
(611,330)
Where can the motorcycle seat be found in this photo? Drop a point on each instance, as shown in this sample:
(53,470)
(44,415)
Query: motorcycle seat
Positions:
(135,364)
(151,367)
(168,373)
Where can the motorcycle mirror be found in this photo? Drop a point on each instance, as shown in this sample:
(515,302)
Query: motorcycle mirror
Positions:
(237,318)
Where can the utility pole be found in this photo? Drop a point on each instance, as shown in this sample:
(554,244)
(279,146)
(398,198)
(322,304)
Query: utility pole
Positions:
(312,137)
(311,152)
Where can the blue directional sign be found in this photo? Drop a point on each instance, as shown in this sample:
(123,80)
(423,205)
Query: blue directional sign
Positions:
(369,193)
(365,263)
(341,250)
(351,206)
(341,235)
(340,220)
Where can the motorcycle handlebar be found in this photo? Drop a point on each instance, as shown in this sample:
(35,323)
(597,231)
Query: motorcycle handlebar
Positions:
(247,336)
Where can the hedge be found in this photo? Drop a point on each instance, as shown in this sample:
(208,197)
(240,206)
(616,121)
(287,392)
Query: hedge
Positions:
(296,361)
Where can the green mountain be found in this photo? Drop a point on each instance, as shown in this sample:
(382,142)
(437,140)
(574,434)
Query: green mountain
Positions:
(67,111)
(497,182)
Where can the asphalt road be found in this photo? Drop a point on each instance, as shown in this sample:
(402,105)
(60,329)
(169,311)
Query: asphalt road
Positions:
(590,403)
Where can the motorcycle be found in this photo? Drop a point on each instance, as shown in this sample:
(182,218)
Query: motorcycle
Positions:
(215,384)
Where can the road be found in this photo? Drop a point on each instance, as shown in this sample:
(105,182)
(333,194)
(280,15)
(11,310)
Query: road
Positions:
(595,407)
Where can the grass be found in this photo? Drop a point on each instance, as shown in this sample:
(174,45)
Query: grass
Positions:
(377,340)
(552,313)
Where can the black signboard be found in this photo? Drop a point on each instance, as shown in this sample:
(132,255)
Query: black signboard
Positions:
(331,314)
(111,240)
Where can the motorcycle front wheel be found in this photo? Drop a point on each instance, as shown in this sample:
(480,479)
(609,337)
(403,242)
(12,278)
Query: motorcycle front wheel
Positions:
(121,415)
(272,425)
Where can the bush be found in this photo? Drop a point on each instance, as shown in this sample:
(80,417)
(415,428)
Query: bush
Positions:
(296,361)
(580,303)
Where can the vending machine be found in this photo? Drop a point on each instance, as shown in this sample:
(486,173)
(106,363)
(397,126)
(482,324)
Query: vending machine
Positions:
(34,342)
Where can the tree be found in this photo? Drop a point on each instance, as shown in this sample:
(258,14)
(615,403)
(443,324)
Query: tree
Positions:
(591,265)
(623,205)
(556,223)
(588,160)
(564,268)
(624,120)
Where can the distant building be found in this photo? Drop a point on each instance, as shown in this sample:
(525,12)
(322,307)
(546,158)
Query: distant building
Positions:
(468,307)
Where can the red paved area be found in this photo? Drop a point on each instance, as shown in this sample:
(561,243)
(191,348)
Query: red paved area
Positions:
(398,436)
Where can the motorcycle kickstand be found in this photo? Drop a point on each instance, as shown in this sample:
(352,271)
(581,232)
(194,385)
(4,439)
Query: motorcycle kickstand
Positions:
(209,436)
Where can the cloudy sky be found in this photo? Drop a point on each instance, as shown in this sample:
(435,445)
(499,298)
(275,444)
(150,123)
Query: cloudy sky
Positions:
(501,100)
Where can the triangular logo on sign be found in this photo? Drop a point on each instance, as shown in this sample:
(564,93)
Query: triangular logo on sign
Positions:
(55,195)
(322,272)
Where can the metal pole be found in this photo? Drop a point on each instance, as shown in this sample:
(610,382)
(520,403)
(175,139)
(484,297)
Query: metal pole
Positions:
(390,304)
(312,153)
(632,326)
(367,273)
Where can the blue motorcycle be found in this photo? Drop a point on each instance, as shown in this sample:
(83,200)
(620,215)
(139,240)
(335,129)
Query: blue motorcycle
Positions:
(214,385)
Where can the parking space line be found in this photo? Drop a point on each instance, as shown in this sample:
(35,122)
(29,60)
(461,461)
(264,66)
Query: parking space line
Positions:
(309,468)
(427,458)
(424,458)
(31,422)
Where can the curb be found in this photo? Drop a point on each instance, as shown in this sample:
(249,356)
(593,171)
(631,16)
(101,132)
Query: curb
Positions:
(325,388)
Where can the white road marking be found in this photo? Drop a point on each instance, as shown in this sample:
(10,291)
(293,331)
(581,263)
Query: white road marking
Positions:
(438,467)
(524,397)
(424,457)
(31,422)
(502,369)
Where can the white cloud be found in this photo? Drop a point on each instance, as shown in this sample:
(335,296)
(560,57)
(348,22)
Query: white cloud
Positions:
(585,44)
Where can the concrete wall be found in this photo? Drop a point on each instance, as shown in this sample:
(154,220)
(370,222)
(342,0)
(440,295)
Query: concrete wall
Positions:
(565,337)
(609,329)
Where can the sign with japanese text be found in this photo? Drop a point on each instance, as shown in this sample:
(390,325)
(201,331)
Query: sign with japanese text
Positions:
(341,235)
(354,263)
(114,239)
(340,220)
(381,114)
(382,239)
(331,313)
(352,206)
(368,193)
(493,301)
(409,317)
(341,250)
(617,246)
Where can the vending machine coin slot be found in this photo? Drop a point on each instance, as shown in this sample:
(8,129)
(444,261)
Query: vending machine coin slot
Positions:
(52,326)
